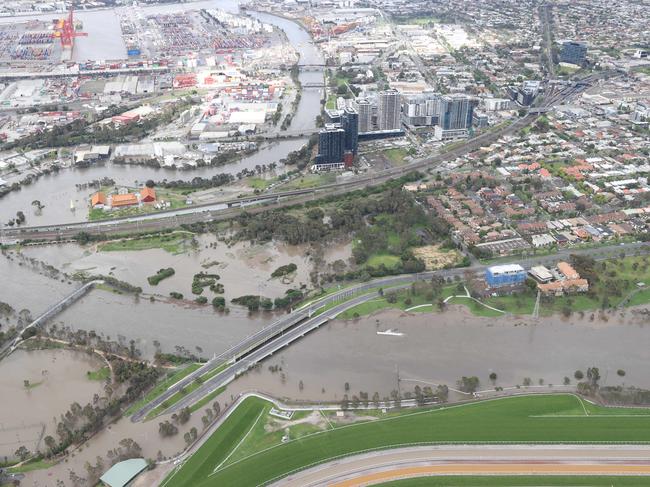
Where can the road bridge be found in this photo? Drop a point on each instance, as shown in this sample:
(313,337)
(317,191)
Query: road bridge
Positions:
(51,312)
(301,321)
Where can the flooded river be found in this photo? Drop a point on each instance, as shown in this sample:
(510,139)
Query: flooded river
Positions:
(104,42)
(243,269)
(441,348)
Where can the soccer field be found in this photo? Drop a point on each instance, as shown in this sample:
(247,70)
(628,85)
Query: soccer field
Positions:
(548,418)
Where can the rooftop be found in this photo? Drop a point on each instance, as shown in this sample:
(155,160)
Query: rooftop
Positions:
(122,473)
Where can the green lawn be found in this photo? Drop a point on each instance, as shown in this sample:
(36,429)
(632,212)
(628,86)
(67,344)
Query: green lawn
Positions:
(310,181)
(162,387)
(548,418)
(396,156)
(173,243)
(204,401)
(30,466)
(101,374)
(519,481)
(388,260)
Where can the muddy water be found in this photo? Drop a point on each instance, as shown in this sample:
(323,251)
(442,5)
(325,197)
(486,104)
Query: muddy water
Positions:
(57,378)
(440,348)
(244,269)
(24,287)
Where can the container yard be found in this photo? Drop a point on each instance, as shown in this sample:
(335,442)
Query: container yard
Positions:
(189,33)
(29,41)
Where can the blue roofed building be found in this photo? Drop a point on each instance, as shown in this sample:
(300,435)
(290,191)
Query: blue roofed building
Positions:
(504,275)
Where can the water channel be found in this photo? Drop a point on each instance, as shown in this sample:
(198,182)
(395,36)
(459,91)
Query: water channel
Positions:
(104,42)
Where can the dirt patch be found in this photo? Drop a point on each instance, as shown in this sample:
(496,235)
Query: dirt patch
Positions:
(434,257)
(276,424)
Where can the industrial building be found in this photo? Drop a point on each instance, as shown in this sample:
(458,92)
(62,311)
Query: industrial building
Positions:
(505,275)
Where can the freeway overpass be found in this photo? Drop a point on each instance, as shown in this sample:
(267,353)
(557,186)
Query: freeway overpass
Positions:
(298,323)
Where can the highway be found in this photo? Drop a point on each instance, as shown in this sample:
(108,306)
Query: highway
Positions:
(298,323)
(387,465)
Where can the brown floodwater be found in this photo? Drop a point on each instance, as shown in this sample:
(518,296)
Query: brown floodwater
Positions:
(442,347)
(57,379)
(244,269)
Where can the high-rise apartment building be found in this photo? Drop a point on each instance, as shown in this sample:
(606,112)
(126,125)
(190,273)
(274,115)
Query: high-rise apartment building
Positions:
(350,124)
(456,111)
(364,109)
(388,112)
(331,144)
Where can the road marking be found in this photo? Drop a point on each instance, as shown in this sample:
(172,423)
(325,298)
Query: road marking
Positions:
(240,442)
(582,404)
(326,418)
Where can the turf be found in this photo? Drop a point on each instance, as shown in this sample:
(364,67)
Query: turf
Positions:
(173,243)
(217,448)
(517,481)
(523,419)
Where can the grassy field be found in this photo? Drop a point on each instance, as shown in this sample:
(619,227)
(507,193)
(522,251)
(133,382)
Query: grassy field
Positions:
(101,374)
(561,418)
(518,481)
(309,181)
(162,387)
(388,260)
(396,156)
(173,243)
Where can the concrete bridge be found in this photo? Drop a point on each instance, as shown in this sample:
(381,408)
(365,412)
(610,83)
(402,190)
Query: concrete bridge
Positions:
(52,311)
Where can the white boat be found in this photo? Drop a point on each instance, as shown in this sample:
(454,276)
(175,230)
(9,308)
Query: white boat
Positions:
(391,333)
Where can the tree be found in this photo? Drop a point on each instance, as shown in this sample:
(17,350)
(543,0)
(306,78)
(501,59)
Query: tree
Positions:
(527,381)
(346,386)
(493,377)
(620,372)
(375,399)
(217,408)
(22,453)
(468,384)
(442,393)
(567,381)
(149,183)
(345,402)
(593,376)
(578,375)
(50,442)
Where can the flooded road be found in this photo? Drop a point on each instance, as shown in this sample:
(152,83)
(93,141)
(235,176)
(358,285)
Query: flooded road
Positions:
(57,378)
(104,42)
